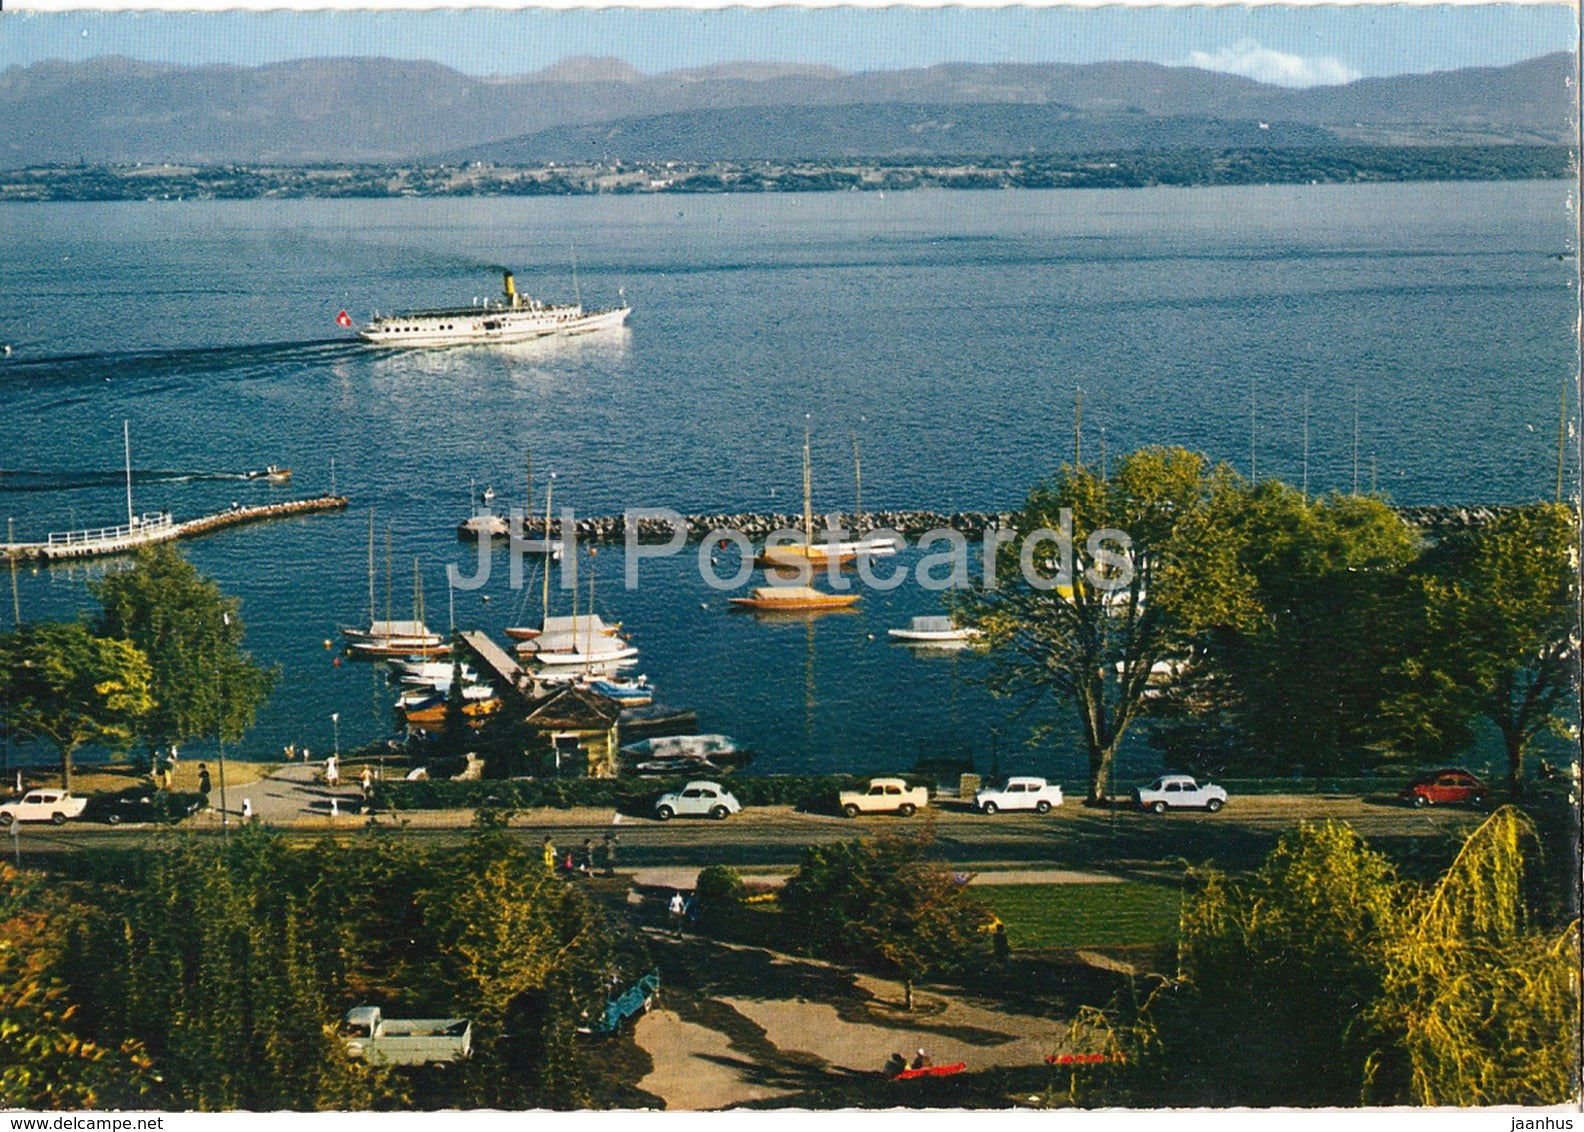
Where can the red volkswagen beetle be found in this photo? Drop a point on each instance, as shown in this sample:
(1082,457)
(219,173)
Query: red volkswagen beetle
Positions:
(1444,787)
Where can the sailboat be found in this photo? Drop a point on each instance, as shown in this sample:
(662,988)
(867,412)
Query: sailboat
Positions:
(808,552)
(389,638)
(546,546)
(552,549)
(584,642)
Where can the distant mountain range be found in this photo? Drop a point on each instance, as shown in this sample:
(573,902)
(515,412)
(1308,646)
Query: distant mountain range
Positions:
(114,110)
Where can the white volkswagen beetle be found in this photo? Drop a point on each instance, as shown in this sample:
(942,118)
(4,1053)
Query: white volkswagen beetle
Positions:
(697,799)
(1019,794)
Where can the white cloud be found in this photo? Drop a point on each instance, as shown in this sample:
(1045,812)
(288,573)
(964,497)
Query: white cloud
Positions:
(1247,58)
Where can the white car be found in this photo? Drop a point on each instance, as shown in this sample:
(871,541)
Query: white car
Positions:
(1179,791)
(42,805)
(884,796)
(697,799)
(1019,794)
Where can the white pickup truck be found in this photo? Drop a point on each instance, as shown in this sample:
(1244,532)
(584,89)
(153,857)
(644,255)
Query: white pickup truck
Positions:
(885,796)
(371,1037)
(42,805)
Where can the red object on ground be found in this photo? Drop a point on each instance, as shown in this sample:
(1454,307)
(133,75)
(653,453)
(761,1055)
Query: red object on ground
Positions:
(933,1071)
(343,319)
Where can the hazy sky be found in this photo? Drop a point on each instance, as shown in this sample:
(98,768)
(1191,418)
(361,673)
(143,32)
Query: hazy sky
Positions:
(1292,45)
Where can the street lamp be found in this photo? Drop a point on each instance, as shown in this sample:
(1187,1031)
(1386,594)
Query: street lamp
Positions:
(225,818)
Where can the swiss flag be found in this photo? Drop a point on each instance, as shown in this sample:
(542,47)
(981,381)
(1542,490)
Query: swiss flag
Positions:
(343,319)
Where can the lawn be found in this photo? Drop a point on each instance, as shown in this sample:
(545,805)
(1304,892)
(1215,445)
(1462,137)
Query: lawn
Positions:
(1085,915)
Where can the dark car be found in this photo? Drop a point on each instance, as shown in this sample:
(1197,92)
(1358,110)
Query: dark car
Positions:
(140,804)
(1445,787)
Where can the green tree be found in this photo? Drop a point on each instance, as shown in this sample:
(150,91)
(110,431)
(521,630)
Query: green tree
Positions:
(1089,632)
(204,682)
(881,904)
(1478,1007)
(1500,618)
(1303,683)
(46,1062)
(1325,979)
(62,685)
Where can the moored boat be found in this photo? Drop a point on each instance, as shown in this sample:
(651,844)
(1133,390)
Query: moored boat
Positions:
(792,599)
(937,631)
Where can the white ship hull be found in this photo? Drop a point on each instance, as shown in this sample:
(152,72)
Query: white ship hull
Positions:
(488,326)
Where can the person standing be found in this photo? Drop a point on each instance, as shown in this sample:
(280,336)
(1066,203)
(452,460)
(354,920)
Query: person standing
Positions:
(587,863)
(366,782)
(203,781)
(549,853)
(611,841)
(678,911)
(332,772)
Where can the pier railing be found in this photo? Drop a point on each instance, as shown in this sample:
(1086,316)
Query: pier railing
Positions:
(141,527)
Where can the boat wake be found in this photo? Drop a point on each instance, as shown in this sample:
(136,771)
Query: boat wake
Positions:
(146,366)
(27,482)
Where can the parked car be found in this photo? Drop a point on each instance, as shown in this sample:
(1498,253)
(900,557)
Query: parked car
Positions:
(1019,794)
(42,805)
(140,804)
(370,1036)
(697,799)
(1179,792)
(1447,786)
(884,796)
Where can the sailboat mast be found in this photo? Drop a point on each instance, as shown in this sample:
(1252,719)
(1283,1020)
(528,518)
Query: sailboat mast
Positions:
(808,492)
(418,609)
(387,576)
(126,444)
(371,567)
(1306,447)
(1561,443)
(528,506)
(1355,439)
(1078,427)
(549,555)
(857,487)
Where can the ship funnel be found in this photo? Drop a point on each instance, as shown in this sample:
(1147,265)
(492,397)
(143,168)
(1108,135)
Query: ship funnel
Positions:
(510,288)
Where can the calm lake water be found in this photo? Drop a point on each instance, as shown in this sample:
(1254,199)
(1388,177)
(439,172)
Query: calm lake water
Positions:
(947,329)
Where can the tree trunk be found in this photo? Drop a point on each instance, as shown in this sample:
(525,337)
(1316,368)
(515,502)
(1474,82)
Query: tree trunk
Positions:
(1514,742)
(66,768)
(1100,759)
(907,993)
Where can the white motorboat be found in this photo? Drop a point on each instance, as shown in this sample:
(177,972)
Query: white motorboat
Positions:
(937,631)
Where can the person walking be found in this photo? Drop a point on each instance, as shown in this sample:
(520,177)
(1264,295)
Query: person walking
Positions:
(332,772)
(366,783)
(203,781)
(549,853)
(611,841)
(678,911)
(587,862)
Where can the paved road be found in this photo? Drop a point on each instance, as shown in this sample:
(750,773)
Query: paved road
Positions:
(1073,837)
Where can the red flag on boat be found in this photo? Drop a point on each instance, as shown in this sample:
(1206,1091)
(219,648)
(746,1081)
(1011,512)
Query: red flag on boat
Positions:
(343,319)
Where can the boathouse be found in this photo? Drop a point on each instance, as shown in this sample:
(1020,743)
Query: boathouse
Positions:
(580,726)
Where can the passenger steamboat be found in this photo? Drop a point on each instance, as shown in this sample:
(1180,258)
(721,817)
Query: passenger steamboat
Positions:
(514,318)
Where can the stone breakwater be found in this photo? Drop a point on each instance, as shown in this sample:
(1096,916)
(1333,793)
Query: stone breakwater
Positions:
(1433,521)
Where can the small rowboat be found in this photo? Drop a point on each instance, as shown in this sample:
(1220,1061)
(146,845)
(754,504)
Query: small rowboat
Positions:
(932,1071)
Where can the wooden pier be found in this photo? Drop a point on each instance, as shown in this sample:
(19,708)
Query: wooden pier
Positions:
(160,527)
